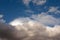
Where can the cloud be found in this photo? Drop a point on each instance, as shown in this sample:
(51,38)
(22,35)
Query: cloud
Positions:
(53,31)
(37,2)
(46,19)
(26,2)
(54,9)
(29,11)
(1,16)
(35,30)
(29,30)
(5,31)
(1,19)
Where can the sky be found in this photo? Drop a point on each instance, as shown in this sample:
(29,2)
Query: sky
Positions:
(46,12)
(12,9)
(31,19)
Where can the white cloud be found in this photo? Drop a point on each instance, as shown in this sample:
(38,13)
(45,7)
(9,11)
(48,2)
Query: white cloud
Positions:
(20,21)
(28,29)
(46,19)
(37,2)
(54,9)
(39,26)
(36,30)
(53,31)
(26,2)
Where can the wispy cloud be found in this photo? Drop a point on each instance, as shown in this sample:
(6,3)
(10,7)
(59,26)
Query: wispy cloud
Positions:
(37,2)
(46,19)
(1,19)
(54,9)
(29,11)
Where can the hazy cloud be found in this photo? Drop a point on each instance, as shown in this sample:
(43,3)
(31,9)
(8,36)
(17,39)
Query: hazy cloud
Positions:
(1,16)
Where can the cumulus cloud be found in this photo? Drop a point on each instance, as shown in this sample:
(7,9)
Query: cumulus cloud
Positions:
(37,2)
(34,29)
(1,16)
(31,28)
(28,29)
